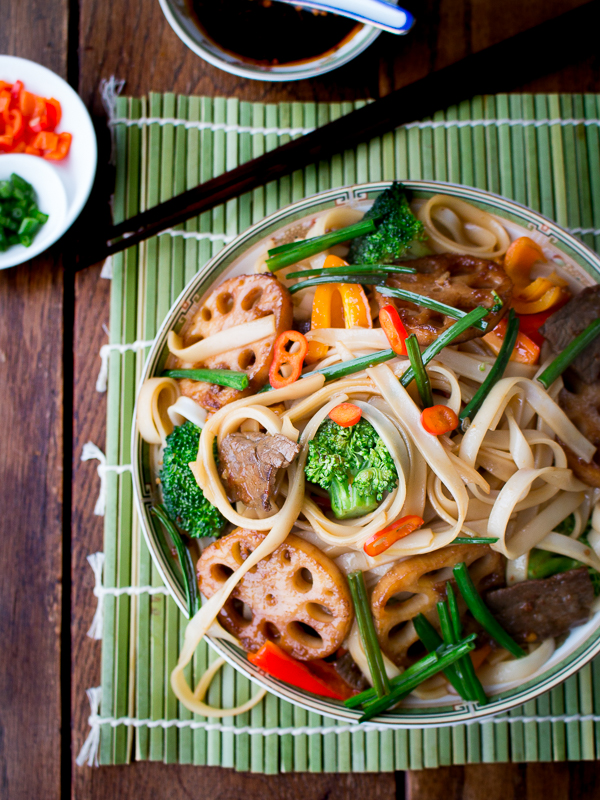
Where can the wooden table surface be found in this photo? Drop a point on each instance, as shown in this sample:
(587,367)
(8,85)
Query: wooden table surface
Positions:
(51,332)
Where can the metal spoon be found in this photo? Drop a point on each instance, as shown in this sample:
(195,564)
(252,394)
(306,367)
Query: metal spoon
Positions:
(378,13)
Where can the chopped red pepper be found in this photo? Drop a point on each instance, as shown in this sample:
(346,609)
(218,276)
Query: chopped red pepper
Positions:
(530,324)
(439,420)
(526,351)
(345,415)
(276,662)
(23,116)
(394,329)
(331,677)
(379,542)
(282,356)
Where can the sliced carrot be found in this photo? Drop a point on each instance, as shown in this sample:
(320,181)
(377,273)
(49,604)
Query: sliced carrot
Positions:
(345,415)
(439,420)
(526,351)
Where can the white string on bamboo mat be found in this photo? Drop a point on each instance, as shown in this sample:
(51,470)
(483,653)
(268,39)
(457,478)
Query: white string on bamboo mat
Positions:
(106,350)
(426,125)
(92,451)
(89,751)
(96,562)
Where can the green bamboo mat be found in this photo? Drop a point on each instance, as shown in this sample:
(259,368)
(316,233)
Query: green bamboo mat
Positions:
(541,150)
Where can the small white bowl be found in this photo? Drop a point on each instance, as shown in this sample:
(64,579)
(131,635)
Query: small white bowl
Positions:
(77,171)
(51,199)
(181,18)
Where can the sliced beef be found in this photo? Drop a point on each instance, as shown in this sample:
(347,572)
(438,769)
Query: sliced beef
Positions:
(535,610)
(249,464)
(582,406)
(348,670)
(561,328)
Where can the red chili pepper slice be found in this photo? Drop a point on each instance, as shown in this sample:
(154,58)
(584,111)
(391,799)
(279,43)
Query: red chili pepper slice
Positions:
(273,660)
(345,415)
(379,542)
(394,329)
(439,420)
(282,356)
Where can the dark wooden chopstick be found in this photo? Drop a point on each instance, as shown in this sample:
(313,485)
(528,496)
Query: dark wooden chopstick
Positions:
(501,67)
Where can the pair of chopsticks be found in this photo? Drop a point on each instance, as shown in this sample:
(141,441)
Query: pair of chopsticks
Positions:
(499,68)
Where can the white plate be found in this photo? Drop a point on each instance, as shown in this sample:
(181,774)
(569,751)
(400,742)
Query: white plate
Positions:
(78,169)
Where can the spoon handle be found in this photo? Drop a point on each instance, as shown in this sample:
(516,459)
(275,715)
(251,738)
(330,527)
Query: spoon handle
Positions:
(379,13)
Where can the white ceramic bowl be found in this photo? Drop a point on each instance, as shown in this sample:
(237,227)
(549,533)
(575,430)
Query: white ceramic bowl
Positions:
(77,171)
(579,264)
(51,199)
(180,18)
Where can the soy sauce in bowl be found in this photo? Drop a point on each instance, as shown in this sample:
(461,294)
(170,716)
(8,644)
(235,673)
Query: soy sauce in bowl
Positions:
(271,33)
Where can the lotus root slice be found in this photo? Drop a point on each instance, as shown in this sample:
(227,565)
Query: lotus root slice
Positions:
(296,597)
(415,585)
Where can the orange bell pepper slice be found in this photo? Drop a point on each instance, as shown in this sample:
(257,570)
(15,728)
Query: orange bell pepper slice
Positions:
(62,148)
(520,257)
(525,351)
(337,305)
(551,298)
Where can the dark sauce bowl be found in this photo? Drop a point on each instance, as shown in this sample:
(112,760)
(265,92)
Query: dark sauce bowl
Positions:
(246,37)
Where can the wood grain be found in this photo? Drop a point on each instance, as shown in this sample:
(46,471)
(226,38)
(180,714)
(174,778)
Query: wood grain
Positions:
(505,782)
(31,473)
(30,528)
(144,781)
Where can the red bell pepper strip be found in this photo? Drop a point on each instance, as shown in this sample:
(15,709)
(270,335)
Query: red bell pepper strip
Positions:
(276,662)
(394,329)
(439,420)
(281,356)
(346,415)
(530,324)
(379,542)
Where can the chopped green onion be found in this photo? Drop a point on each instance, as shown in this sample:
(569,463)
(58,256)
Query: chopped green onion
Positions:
(450,637)
(361,269)
(497,302)
(569,354)
(368,636)
(472,683)
(434,305)
(482,613)
(444,339)
(185,560)
(402,687)
(421,376)
(370,694)
(222,377)
(474,540)
(340,278)
(285,255)
(345,368)
(432,642)
(497,370)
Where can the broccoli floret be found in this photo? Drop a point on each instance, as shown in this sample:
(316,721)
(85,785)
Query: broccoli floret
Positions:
(399,233)
(353,465)
(183,498)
